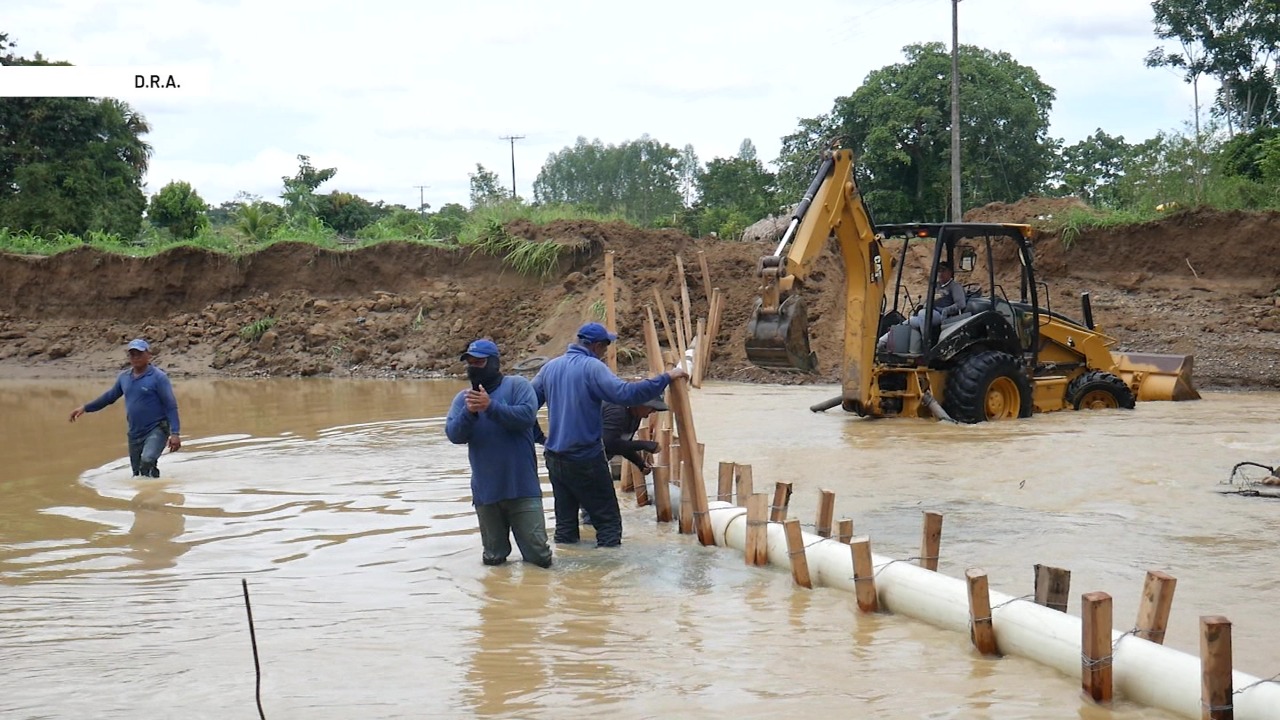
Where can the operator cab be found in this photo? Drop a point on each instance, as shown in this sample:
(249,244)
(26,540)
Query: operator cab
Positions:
(989,319)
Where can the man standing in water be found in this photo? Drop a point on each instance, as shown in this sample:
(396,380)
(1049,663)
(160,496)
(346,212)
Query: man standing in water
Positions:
(497,419)
(149,406)
(574,386)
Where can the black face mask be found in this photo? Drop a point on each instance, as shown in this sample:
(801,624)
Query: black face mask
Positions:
(488,376)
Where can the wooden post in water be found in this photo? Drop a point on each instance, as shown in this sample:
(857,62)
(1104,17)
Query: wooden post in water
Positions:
(1052,586)
(864,576)
(724,483)
(826,510)
(1095,646)
(845,533)
(691,484)
(795,550)
(757,545)
(1157,601)
(981,630)
(781,501)
(931,541)
(1215,662)
(610,314)
(662,478)
(639,485)
(743,484)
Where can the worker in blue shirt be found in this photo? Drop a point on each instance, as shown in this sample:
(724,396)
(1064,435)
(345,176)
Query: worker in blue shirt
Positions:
(574,387)
(496,420)
(149,406)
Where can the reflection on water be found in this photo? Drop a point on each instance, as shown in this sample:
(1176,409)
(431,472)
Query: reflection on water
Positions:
(349,513)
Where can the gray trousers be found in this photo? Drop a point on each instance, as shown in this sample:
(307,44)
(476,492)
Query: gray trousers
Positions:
(521,517)
(144,452)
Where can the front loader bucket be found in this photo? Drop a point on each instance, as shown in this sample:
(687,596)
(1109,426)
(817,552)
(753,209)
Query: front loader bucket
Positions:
(780,340)
(1157,377)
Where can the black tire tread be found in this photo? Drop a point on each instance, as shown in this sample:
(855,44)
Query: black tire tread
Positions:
(1100,380)
(968,382)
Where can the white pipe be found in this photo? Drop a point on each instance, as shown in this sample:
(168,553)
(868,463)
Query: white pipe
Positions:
(1142,671)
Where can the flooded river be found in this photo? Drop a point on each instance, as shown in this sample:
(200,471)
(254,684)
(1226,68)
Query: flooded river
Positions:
(348,511)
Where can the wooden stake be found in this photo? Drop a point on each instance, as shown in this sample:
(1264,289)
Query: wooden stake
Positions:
(693,483)
(701,347)
(1052,587)
(1215,662)
(662,478)
(981,631)
(845,533)
(626,482)
(795,550)
(826,510)
(684,301)
(781,501)
(610,314)
(931,541)
(641,488)
(724,486)
(1095,645)
(686,497)
(743,484)
(864,576)
(757,545)
(713,322)
(662,313)
(706,276)
(1157,600)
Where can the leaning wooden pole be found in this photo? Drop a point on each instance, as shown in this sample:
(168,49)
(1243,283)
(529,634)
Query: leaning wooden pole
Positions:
(692,483)
(662,314)
(610,314)
(684,300)
(662,468)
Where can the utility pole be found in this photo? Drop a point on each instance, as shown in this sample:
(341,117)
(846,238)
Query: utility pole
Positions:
(955,111)
(513,139)
(422,201)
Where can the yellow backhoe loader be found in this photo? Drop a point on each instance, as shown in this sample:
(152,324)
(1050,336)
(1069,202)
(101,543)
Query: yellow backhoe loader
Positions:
(987,357)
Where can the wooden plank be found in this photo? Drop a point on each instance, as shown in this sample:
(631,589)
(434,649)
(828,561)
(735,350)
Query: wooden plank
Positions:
(610,312)
(981,630)
(1215,663)
(930,541)
(781,502)
(1052,587)
(864,576)
(757,545)
(795,551)
(743,484)
(1157,601)
(845,532)
(1095,646)
(662,314)
(724,485)
(652,348)
(826,511)
(706,276)
(692,484)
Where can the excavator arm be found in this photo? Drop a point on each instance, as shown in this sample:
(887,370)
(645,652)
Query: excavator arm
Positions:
(777,334)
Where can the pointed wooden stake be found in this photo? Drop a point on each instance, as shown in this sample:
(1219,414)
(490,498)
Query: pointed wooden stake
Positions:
(1157,601)
(795,550)
(781,501)
(931,541)
(826,509)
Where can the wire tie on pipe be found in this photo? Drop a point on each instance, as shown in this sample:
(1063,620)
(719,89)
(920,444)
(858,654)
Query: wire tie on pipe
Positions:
(794,553)
(1273,679)
(757,523)
(1216,708)
(1100,662)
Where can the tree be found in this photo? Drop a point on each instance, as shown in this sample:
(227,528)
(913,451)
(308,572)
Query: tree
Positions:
(1091,168)
(346,213)
(739,185)
(638,178)
(800,155)
(486,188)
(688,168)
(898,124)
(179,209)
(257,221)
(300,190)
(70,165)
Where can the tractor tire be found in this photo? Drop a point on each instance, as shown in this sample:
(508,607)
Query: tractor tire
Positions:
(988,386)
(1096,390)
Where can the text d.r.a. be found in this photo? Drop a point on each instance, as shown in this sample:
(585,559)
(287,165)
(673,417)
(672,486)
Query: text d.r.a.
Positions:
(155,81)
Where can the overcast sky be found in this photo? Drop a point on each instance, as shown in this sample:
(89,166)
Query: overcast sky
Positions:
(396,93)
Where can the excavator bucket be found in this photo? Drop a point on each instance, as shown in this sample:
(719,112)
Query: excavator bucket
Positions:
(780,340)
(1157,377)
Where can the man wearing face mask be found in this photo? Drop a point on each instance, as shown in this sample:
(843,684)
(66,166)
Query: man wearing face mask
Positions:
(496,420)
(574,387)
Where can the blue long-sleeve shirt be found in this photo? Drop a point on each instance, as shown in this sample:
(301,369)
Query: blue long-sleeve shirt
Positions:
(573,387)
(499,442)
(148,401)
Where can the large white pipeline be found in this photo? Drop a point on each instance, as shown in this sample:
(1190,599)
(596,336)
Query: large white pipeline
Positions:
(1142,671)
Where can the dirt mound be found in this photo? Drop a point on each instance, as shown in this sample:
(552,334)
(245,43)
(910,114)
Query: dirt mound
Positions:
(1033,210)
(1195,282)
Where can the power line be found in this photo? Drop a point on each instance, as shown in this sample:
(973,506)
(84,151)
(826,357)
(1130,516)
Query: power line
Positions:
(422,202)
(513,139)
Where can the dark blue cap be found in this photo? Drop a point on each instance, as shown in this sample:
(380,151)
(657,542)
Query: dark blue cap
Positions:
(481,349)
(594,332)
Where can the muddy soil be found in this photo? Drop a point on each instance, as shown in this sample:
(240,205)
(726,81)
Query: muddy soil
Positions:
(1199,283)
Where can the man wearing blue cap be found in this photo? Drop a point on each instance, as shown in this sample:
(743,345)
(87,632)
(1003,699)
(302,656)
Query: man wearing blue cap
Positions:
(149,406)
(574,387)
(496,420)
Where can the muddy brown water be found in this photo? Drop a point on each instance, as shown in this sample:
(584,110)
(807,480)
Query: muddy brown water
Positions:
(348,511)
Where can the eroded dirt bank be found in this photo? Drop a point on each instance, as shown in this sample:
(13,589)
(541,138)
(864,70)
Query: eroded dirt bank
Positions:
(1199,283)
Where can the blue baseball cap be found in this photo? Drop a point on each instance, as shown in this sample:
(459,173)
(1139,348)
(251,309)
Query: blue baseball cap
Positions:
(594,332)
(138,344)
(481,349)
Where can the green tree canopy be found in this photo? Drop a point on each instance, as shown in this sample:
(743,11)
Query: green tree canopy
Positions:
(898,124)
(1091,168)
(639,178)
(70,165)
(740,184)
(346,213)
(179,209)
(486,188)
(299,194)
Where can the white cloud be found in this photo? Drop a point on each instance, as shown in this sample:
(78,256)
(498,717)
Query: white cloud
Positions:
(397,93)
